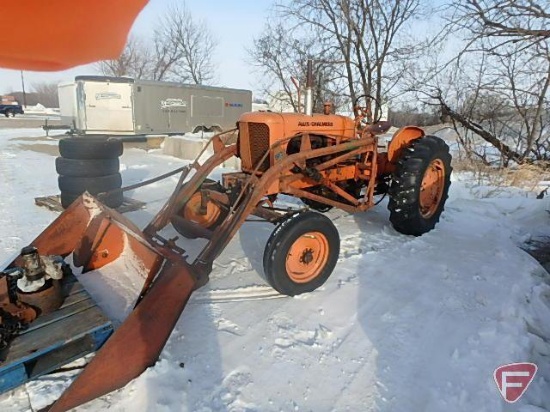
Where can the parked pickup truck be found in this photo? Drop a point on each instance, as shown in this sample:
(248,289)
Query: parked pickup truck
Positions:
(10,110)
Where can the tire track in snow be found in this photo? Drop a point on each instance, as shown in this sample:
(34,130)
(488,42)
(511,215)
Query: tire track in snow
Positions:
(240,294)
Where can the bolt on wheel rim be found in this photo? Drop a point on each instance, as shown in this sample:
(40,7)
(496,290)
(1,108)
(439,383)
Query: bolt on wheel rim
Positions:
(307,257)
(431,188)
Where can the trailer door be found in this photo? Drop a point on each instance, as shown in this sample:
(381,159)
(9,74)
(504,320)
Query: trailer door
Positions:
(109,107)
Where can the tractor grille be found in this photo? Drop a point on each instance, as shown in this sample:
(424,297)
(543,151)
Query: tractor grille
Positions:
(253,144)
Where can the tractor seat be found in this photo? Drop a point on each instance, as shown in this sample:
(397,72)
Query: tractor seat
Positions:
(378,128)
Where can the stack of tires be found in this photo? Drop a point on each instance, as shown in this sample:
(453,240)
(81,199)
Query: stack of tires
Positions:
(89,164)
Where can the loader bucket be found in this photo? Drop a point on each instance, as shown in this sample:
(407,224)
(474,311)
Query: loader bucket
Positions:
(97,235)
(137,343)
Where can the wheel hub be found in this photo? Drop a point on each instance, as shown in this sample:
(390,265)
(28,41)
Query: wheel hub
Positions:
(431,188)
(307,256)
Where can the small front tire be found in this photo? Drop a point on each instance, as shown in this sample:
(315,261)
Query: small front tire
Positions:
(301,253)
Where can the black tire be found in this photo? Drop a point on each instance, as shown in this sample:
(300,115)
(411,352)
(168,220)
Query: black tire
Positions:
(280,243)
(113,200)
(93,185)
(9,113)
(90,148)
(199,129)
(183,230)
(406,214)
(86,168)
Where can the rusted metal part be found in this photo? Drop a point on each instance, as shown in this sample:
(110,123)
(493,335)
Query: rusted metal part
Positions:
(182,194)
(267,214)
(137,343)
(308,195)
(19,310)
(44,301)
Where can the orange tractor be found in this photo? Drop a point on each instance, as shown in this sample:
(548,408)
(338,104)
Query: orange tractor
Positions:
(325,160)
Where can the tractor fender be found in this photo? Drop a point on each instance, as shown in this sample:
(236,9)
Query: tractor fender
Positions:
(402,139)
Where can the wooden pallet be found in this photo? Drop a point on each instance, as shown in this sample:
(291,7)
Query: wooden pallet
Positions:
(53,202)
(77,328)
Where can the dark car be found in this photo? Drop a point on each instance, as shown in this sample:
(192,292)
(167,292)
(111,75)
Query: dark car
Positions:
(10,110)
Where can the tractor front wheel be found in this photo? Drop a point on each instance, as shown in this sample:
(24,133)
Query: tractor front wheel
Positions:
(420,186)
(301,253)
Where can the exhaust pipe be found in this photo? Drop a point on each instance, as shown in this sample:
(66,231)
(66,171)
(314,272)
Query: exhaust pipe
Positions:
(309,89)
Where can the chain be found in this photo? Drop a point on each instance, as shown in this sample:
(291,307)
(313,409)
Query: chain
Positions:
(9,327)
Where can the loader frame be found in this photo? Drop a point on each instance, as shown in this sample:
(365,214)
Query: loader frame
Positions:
(259,189)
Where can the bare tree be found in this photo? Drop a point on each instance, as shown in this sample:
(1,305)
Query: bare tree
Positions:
(185,46)
(135,61)
(496,89)
(181,50)
(46,93)
(505,20)
(281,55)
(364,41)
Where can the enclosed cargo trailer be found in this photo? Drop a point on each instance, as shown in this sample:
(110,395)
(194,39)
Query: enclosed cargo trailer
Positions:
(119,105)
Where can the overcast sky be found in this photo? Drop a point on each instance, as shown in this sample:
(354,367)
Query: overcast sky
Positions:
(233,23)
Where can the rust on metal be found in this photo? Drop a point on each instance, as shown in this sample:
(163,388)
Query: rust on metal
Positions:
(137,343)
(45,300)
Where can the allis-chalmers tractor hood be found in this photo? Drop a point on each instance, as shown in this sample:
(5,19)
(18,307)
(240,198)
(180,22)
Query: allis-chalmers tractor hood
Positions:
(288,124)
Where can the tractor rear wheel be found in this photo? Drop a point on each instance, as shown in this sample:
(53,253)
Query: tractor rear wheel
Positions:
(420,186)
(209,218)
(301,253)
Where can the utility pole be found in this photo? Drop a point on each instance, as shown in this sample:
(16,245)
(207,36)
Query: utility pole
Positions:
(23,86)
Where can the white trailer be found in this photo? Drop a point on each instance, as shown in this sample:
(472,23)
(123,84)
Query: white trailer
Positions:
(118,105)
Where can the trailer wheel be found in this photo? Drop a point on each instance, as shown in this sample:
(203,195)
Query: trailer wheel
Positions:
(93,185)
(301,253)
(420,186)
(90,148)
(209,218)
(86,167)
(113,200)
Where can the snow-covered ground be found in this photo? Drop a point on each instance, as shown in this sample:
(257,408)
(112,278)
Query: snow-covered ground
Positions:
(403,324)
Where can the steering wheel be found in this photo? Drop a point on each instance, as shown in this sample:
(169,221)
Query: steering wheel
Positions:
(367,110)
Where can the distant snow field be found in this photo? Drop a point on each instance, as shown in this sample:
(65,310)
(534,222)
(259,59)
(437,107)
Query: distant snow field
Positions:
(403,324)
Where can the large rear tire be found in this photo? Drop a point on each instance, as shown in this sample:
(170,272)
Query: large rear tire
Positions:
(420,186)
(301,253)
